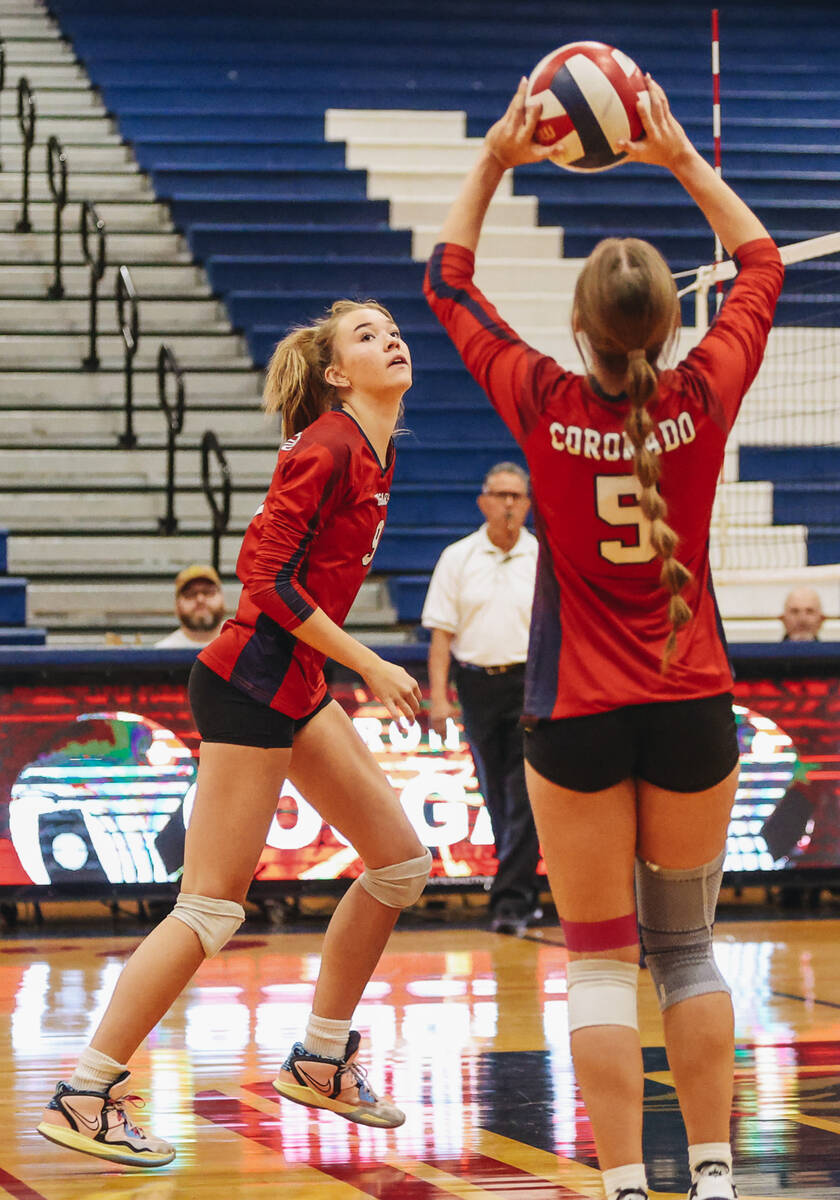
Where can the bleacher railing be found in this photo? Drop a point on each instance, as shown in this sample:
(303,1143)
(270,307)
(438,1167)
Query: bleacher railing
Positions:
(167,364)
(220,512)
(26,116)
(57,176)
(129,328)
(90,222)
(2,79)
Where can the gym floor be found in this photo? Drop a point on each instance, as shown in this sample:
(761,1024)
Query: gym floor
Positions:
(465,1028)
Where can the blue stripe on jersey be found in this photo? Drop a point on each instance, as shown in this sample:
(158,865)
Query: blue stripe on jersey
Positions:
(264,660)
(597,151)
(445,291)
(283,580)
(710,587)
(545,639)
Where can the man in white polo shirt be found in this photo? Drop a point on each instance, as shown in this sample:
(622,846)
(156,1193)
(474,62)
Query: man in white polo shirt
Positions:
(478,608)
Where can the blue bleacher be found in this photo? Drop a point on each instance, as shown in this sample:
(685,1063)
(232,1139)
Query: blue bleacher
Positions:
(13,628)
(226,113)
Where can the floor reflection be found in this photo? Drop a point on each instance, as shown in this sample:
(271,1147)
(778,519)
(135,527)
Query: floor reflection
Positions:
(466,1030)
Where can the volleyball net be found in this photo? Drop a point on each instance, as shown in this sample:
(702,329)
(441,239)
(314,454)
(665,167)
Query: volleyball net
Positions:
(778,506)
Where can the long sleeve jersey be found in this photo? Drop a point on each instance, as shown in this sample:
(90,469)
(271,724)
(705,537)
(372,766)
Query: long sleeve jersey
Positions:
(600,616)
(310,545)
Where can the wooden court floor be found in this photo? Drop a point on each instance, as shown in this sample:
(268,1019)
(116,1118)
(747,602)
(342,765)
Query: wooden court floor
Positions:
(465,1028)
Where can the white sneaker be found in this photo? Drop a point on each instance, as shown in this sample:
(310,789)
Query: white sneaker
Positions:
(712,1181)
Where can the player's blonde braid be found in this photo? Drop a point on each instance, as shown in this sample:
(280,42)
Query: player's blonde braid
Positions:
(626,306)
(641,386)
(294,383)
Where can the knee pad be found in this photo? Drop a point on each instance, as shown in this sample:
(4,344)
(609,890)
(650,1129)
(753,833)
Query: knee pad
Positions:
(602,991)
(213,921)
(676,917)
(400,885)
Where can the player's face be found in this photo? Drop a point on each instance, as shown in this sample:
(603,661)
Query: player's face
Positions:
(370,354)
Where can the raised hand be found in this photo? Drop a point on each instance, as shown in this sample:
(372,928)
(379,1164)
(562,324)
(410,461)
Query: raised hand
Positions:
(665,143)
(511,139)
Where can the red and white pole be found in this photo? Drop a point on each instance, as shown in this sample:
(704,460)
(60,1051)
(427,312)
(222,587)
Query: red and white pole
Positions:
(716,133)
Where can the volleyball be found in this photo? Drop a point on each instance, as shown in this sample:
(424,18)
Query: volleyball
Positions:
(588,93)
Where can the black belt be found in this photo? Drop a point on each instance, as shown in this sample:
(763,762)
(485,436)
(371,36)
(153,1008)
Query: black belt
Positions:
(504,669)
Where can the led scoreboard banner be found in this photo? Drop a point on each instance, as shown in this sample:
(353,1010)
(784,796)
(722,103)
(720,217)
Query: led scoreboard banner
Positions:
(98,778)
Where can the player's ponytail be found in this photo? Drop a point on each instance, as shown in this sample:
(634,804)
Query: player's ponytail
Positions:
(295,385)
(626,306)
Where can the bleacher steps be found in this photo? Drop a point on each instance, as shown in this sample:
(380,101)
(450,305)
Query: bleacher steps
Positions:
(114,184)
(64,385)
(25,465)
(160,280)
(341,123)
(159,317)
(66,608)
(497,242)
(508,211)
(191,348)
(117,216)
(74,425)
(138,246)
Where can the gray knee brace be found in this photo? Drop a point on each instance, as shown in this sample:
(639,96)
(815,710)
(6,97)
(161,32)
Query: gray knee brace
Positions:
(676,911)
(213,921)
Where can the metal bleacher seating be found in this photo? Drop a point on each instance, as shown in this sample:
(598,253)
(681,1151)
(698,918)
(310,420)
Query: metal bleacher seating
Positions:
(305,158)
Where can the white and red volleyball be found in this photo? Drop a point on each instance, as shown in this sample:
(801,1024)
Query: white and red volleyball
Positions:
(588,93)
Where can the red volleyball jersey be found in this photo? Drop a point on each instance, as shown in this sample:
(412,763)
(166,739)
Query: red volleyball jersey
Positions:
(600,617)
(310,545)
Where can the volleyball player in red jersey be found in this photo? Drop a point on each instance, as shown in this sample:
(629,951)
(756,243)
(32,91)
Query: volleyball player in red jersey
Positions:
(262,707)
(630,745)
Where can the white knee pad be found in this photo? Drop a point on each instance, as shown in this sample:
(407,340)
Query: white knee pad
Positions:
(399,885)
(602,991)
(676,912)
(213,921)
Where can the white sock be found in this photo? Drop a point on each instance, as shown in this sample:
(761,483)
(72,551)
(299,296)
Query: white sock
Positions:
(617,1179)
(703,1152)
(326,1037)
(95,1071)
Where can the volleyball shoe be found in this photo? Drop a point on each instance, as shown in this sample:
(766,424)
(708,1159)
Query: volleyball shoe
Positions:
(712,1181)
(96,1123)
(337,1084)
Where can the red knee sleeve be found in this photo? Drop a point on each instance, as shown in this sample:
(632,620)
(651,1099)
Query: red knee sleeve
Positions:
(583,936)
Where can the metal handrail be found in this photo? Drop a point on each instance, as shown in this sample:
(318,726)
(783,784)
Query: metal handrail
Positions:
(2,73)
(130,332)
(167,364)
(26,119)
(221,515)
(56,155)
(87,216)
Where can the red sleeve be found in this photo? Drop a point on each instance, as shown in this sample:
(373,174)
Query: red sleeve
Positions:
(517,379)
(726,361)
(304,491)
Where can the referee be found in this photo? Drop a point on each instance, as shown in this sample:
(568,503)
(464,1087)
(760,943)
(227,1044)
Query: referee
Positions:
(478,608)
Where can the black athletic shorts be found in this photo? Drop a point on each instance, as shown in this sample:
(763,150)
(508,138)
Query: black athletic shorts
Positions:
(223,713)
(679,745)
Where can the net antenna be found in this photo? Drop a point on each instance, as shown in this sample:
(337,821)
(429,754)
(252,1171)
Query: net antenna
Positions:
(716,136)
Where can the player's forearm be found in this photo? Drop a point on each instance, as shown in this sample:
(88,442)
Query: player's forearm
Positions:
(439,655)
(466,216)
(731,219)
(321,633)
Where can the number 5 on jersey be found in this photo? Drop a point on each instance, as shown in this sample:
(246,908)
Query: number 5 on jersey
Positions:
(617,502)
